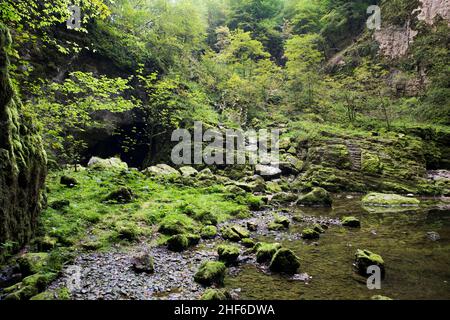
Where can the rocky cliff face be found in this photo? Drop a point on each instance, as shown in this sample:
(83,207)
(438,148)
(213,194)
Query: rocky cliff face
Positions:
(22,163)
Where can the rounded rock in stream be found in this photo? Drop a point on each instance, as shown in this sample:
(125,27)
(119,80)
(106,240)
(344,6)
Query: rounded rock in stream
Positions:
(210,272)
(285,260)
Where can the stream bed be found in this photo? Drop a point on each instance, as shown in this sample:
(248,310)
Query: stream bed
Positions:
(417,267)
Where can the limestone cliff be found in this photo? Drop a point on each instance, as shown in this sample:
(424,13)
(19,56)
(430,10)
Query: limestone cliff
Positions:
(22,163)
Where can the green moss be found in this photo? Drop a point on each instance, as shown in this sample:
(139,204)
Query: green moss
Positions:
(388,200)
(317,197)
(248,243)
(32,262)
(309,233)
(215,295)
(284,260)
(282,220)
(210,272)
(228,253)
(272,226)
(208,232)
(370,163)
(265,251)
(351,222)
(366,258)
(178,243)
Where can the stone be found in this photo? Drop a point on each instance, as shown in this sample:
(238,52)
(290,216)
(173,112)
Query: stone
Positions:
(318,228)
(172,227)
(188,171)
(283,221)
(284,197)
(68,181)
(215,295)
(275,226)
(59,204)
(229,234)
(252,226)
(114,163)
(366,258)
(388,200)
(284,260)
(193,239)
(208,232)
(351,222)
(242,232)
(121,195)
(228,253)
(211,272)
(161,170)
(143,262)
(433,236)
(267,172)
(32,262)
(273,187)
(248,242)
(178,243)
(309,233)
(318,197)
(265,251)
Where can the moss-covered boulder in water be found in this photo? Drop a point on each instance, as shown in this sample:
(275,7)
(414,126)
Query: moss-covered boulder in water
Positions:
(265,251)
(211,272)
(284,260)
(318,197)
(178,243)
(365,259)
(388,200)
(228,253)
(310,233)
(351,222)
(22,162)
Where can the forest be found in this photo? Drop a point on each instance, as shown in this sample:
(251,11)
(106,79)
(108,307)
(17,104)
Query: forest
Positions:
(224,149)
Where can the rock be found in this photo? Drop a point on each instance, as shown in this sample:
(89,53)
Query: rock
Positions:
(172,226)
(309,233)
(283,221)
(380,297)
(248,243)
(97,163)
(298,218)
(46,243)
(273,187)
(68,181)
(121,195)
(59,204)
(229,234)
(205,174)
(433,236)
(284,260)
(318,197)
(32,262)
(252,226)
(46,295)
(215,295)
(284,197)
(235,190)
(318,228)
(351,221)
(143,262)
(23,162)
(366,258)
(211,272)
(178,243)
(267,172)
(228,253)
(206,217)
(208,232)
(242,232)
(265,251)
(188,171)
(193,239)
(127,230)
(388,200)
(161,170)
(276,226)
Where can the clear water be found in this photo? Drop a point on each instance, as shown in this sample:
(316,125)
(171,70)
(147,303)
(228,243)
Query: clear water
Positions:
(416,267)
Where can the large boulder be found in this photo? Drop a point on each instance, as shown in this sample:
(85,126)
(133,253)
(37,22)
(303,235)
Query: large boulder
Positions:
(107,164)
(318,197)
(388,200)
(284,260)
(265,251)
(211,272)
(228,253)
(178,243)
(143,262)
(267,172)
(23,162)
(188,171)
(161,170)
(365,259)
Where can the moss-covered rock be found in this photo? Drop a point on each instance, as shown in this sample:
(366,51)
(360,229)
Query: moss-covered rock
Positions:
(319,228)
(188,171)
(127,230)
(211,272)
(284,197)
(310,233)
(143,262)
(60,294)
(318,197)
(114,163)
(161,170)
(228,253)
(121,195)
(208,232)
(351,221)
(33,262)
(248,242)
(242,232)
(178,243)
(172,227)
(193,239)
(59,204)
(284,221)
(370,163)
(215,295)
(67,181)
(284,260)
(23,162)
(265,251)
(388,200)
(273,187)
(366,258)
(229,234)
(272,226)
